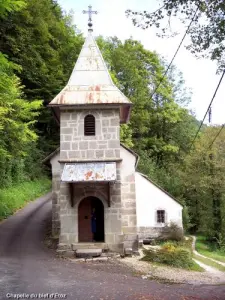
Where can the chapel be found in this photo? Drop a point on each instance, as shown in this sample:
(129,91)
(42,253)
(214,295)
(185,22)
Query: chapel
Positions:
(98,197)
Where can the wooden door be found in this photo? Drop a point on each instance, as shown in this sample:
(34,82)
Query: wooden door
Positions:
(84,221)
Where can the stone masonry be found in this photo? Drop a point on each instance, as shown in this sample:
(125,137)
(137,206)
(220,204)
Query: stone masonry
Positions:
(75,147)
(105,145)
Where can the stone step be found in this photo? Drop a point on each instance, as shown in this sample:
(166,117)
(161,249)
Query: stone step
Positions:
(102,246)
(88,253)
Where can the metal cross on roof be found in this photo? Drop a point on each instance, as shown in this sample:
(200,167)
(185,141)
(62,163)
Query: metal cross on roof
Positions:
(90,12)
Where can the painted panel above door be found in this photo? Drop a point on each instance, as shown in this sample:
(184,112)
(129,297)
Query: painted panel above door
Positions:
(80,172)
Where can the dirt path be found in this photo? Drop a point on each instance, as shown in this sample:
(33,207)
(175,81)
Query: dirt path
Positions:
(214,260)
(27,266)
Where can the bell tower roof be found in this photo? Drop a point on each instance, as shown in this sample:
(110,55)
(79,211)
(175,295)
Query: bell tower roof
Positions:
(90,84)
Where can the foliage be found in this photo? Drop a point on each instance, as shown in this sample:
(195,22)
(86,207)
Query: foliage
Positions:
(17,116)
(20,194)
(207,32)
(209,249)
(203,182)
(45,44)
(7,6)
(174,232)
(170,255)
(155,120)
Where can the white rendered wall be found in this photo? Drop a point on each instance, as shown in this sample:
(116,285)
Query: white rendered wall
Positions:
(149,199)
(128,162)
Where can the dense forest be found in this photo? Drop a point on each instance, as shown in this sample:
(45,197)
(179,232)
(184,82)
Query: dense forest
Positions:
(38,47)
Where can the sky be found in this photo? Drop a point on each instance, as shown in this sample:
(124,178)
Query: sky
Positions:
(199,74)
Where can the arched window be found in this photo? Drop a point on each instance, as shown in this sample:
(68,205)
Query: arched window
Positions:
(89,125)
(161,216)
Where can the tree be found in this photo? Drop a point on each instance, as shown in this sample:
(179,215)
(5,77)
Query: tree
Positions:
(207,32)
(203,183)
(7,6)
(43,41)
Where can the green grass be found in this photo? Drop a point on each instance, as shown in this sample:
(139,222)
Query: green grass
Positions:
(207,249)
(196,267)
(16,197)
(209,262)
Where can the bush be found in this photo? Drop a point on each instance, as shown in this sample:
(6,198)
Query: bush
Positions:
(171,255)
(174,232)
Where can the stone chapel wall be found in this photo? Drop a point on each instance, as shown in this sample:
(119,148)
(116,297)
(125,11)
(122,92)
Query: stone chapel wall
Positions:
(56,176)
(104,145)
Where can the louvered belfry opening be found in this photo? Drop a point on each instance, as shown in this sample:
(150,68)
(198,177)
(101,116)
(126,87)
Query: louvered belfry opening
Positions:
(89,125)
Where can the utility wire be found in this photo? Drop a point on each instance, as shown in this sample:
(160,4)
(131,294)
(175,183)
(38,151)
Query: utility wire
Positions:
(221,78)
(218,133)
(161,80)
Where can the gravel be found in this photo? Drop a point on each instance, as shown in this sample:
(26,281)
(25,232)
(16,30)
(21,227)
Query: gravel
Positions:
(149,270)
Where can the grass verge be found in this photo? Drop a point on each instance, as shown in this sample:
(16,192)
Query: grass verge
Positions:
(16,197)
(205,248)
(209,262)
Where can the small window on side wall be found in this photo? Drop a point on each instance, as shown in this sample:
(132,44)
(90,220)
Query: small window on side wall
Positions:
(160,216)
(89,125)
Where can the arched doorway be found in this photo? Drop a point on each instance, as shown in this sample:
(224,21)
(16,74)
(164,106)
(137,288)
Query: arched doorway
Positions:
(91,220)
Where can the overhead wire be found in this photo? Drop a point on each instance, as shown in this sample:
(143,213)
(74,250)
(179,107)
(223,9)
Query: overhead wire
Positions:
(186,32)
(218,133)
(214,95)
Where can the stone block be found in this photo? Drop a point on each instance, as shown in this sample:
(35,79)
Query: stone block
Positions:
(132,221)
(83,145)
(67,138)
(65,116)
(109,153)
(88,253)
(115,224)
(107,136)
(128,211)
(64,124)
(99,154)
(98,128)
(66,130)
(74,145)
(129,230)
(81,129)
(74,154)
(63,238)
(112,129)
(130,204)
(63,154)
(90,154)
(114,122)
(92,145)
(117,153)
(73,125)
(105,123)
(113,144)
(102,146)
(65,146)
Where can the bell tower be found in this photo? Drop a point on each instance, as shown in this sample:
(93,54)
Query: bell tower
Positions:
(89,110)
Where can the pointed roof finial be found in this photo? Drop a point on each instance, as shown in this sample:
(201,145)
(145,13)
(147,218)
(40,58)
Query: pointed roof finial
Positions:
(90,12)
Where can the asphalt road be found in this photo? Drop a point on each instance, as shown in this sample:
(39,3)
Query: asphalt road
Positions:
(29,270)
